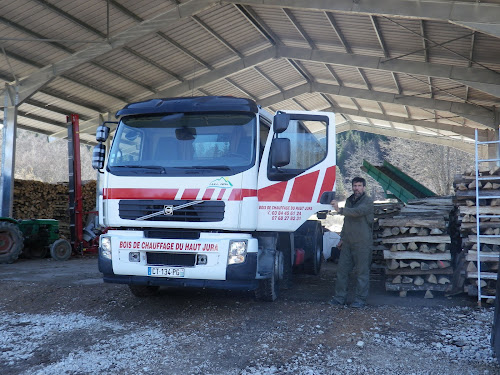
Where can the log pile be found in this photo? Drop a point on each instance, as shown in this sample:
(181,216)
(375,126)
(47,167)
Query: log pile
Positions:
(418,246)
(40,200)
(465,195)
(381,211)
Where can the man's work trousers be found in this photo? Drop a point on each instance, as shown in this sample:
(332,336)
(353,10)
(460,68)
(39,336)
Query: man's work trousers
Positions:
(359,258)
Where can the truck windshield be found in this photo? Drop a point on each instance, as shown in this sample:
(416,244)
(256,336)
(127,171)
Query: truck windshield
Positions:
(184,143)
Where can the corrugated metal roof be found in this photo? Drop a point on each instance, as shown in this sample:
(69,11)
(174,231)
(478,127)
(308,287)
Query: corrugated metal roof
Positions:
(213,51)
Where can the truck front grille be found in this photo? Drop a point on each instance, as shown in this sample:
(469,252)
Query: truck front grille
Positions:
(206,211)
(171,259)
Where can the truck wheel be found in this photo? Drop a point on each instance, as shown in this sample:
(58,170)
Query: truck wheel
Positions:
(60,249)
(11,242)
(268,289)
(144,290)
(314,249)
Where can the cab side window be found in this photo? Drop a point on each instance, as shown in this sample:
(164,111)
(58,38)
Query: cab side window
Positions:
(308,146)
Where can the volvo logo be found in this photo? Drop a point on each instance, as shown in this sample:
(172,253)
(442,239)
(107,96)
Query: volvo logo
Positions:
(168,210)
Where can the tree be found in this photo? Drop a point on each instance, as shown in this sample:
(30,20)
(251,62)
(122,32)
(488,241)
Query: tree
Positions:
(41,158)
(434,166)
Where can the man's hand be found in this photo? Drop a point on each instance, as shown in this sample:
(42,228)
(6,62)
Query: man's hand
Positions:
(335,205)
(339,245)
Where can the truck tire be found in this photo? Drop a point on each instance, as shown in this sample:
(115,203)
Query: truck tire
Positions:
(60,249)
(314,248)
(11,242)
(268,289)
(143,291)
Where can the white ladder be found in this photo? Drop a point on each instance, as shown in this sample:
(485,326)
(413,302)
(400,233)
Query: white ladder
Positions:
(482,256)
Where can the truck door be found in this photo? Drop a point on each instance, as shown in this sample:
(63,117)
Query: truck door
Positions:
(297,171)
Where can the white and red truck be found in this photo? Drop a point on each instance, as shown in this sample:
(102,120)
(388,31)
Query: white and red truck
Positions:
(213,192)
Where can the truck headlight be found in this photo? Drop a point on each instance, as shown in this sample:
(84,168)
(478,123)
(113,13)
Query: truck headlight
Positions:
(105,247)
(237,252)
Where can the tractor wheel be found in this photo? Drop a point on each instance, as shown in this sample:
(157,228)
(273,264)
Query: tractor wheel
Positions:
(61,249)
(11,242)
(39,252)
(314,249)
(268,289)
(144,290)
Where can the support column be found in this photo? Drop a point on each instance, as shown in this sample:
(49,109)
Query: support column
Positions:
(494,148)
(8,151)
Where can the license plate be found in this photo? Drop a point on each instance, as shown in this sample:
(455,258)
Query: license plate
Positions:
(166,271)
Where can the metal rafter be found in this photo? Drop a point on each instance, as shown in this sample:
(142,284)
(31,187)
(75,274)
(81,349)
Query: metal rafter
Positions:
(334,74)
(486,81)
(211,31)
(264,75)
(444,47)
(448,11)
(471,58)
(468,111)
(239,88)
(426,54)
(160,34)
(299,28)
(300,69)
(380,38)
(338,31)
(40,66)
(42,76)
(257,22)
(365,79)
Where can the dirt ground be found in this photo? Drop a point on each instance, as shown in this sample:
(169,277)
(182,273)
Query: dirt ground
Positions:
(59,318)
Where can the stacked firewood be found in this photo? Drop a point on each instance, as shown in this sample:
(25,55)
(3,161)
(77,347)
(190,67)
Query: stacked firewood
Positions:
(418,246)
(465,195)
(40,200)
(381,211)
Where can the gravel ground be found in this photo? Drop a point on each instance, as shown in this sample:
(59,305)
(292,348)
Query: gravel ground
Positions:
(59,318)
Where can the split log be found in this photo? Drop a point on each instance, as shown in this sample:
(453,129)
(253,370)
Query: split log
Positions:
(431,279)
(418,281)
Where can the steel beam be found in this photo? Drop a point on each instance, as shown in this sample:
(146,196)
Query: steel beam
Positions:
(471,112)
(480,79)
(8,150)
(438,10)
(33,82)
(401,133)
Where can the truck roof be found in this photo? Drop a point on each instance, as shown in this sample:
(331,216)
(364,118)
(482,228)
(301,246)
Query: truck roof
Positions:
(189,104)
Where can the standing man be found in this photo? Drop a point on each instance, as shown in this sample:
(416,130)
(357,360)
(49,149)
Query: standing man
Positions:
(355,245)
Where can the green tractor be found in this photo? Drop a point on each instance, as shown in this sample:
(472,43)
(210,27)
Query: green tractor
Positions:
(33,238)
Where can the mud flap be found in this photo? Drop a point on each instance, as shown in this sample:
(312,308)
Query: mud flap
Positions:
(265,257)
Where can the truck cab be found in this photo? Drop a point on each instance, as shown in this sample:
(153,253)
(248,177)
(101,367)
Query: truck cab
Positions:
(213,192)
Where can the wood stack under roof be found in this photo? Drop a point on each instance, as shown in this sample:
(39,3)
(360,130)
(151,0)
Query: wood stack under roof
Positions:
(465,196)
(418,246)
(41,200)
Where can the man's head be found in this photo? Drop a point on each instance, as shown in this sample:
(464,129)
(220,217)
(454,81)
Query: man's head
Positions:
(358,186)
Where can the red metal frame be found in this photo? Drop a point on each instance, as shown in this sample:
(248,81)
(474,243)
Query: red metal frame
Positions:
(79,244)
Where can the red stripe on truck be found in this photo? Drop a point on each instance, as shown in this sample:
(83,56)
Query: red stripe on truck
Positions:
(273,193)
(239,194)
(125,193)
(190,194)
(328,181)
(303,187)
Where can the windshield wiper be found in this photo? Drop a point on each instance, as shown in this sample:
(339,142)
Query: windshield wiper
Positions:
(150,167)
(217,167)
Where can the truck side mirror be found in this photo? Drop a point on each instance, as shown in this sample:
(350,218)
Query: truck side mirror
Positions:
(327,197)
(280,122)
(280,152)
(102,133)
(98,156)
